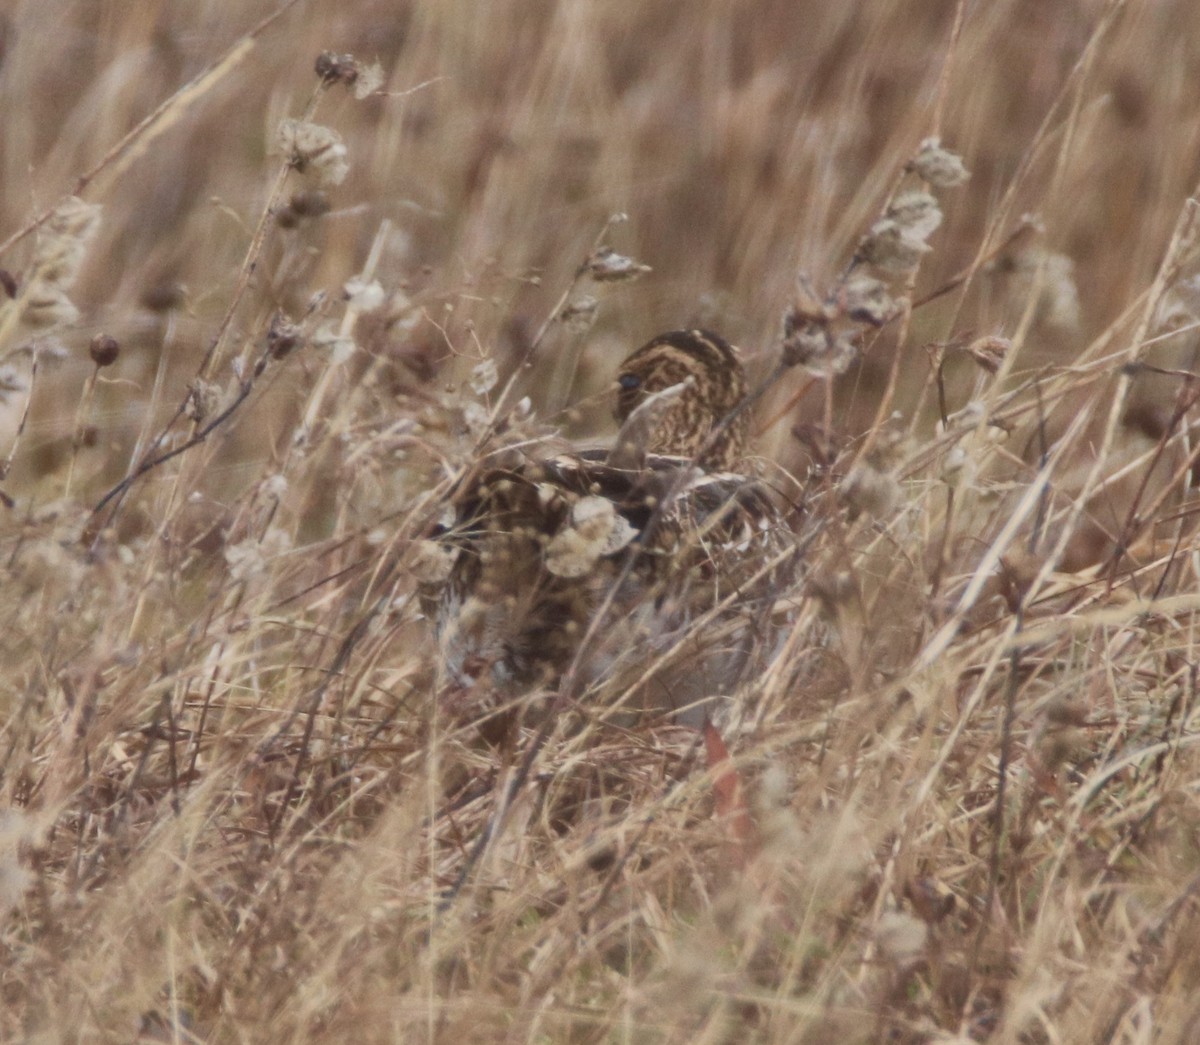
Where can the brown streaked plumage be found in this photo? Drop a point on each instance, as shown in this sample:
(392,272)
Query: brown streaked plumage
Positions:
(532,551)
(712,364)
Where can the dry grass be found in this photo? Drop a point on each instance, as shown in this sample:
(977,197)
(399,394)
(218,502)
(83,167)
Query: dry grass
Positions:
(233,809)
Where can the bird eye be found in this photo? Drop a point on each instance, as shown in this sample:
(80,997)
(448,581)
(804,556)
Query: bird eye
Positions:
(629,381)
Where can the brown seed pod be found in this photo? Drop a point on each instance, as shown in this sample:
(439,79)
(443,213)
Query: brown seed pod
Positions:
(104,350)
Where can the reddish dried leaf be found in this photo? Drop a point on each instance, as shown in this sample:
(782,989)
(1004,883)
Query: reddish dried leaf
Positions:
(728,794)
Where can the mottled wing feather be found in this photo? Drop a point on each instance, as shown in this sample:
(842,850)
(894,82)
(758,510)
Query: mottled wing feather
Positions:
(697,539)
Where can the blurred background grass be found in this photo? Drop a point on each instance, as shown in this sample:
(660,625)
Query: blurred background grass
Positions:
(746,142)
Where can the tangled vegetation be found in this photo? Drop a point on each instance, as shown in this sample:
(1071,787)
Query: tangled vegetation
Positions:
(259,316)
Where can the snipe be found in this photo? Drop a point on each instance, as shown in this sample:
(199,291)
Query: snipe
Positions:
(644,575)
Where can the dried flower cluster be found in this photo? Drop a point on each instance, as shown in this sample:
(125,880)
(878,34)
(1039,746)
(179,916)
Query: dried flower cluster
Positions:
(602,268)
(313,150)
(1047,277)
(43,300)
(594,531)
(822,333)
(335,68)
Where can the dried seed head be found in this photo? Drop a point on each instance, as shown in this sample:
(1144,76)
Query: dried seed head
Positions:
(312,148)
(916,212)
(336,68)
(328,338)
(989,352)
(477,419)
(570,554)
(274,486)
(49,348)
(808,305)
(816,346)
(815,334)
(890,249)
(866,300)
(484,377)
(283,336)
(868,491)
(1052,276)
(363,296)
(901,938)
(803,341)
(75,218)
(596,519)
(204,397)
(62,245)
(370,80)
(940,167)
(303,206)
(607,266)
(595,530)
(956,467)
(579,313)
(46,305)
(250,558)
(967,418)
(104,350)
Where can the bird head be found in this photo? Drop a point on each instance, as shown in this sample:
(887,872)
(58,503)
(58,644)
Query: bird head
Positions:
(711,382)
